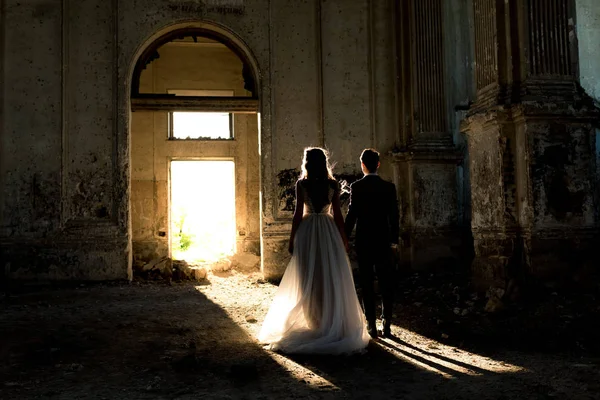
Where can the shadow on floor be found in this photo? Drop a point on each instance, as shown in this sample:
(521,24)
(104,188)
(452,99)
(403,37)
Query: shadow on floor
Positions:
(172,342)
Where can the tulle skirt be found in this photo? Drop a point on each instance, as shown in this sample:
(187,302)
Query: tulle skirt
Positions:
(315,309)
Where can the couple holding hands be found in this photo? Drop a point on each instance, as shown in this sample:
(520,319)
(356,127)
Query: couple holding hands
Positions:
(316,308)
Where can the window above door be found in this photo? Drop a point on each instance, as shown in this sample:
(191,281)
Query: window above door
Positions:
(193,125)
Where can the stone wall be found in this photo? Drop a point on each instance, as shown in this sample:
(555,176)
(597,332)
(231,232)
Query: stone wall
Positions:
(532,149)
(333,86)
(60,213)
(588,33)
(345,74)
(325,75)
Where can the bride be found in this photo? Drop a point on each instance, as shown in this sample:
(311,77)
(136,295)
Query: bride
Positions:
(315,309)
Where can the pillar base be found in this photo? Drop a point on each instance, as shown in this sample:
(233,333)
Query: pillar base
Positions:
(274,250)
(426,249)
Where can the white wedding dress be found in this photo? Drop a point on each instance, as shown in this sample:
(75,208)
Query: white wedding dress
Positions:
(315,309)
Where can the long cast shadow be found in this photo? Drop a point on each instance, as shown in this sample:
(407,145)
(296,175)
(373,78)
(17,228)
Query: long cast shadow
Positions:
(124,341)
(157,341)
(431,354)
(430,363)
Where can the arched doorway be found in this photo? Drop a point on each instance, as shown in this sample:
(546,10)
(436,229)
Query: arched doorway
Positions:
(194,133)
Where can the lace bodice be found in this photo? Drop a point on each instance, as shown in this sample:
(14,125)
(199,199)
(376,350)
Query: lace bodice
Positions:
(318,195)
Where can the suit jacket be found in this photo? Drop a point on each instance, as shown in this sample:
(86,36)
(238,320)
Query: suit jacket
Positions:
(374,209)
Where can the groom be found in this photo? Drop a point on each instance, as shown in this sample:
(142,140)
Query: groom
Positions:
(374,209)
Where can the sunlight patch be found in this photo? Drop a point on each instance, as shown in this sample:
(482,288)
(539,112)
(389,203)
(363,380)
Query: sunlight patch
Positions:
(445,360)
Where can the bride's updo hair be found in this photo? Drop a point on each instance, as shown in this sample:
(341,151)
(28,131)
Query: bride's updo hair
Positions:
(315,164)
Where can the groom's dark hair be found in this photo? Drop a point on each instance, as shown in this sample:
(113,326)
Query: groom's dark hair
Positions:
(370,158)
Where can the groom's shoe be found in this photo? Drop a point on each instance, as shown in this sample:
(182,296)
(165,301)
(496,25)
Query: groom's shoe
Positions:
(387,328)
(372,330)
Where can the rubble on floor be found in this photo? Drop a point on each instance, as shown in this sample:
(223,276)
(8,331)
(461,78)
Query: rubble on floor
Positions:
(180,270)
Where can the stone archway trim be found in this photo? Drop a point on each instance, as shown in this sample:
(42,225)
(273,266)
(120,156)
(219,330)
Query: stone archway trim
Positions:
(148,54)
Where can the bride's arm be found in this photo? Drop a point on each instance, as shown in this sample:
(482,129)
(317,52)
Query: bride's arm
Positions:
(338,217)
(298,213)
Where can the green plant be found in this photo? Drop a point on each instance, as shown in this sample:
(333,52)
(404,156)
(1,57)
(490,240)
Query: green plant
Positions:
(185,241)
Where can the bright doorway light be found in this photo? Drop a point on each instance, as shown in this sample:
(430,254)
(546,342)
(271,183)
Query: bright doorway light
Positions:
(202,210)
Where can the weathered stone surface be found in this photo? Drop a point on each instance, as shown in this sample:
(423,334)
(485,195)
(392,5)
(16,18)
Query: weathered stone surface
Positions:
(275,256)
(63,259)
(532,150)
(245,262)
(85,182)
(222,265)
(183,271)
(30,204)
(346,93)
(588,32)
(200,273)
(532,186)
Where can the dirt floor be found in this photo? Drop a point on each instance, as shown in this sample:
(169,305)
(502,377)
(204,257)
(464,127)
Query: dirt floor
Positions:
(153,340)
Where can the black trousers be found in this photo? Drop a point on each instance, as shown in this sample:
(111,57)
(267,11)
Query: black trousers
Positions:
(376,262)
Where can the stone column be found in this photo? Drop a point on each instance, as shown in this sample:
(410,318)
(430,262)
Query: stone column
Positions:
(426,157)
(531,143)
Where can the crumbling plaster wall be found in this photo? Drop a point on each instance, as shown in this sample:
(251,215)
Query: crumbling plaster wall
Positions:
(65,155)
(30,201)
(65,140)
(588,32)
(334,86)
(536,218)
(191,67)
(59,217)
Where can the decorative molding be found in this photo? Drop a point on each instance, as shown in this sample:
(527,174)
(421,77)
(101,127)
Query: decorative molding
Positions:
(486,47)
(191,103)
(319,54)
(524,51)
(114,216)
(203,6)
(268,201)
(549,44)
(150,53)
(425,231)
(428,53)
(589,232)
(103,242)
(71,140)
(396,41)
(441,156)
(371,71)
(423,108)
(2,109)
(65,90)
(214,45)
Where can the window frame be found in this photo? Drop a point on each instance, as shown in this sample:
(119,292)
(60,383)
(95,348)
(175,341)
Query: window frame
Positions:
(172,137)
(200,93)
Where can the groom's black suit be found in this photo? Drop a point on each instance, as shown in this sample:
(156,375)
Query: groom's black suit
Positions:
(374,210)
